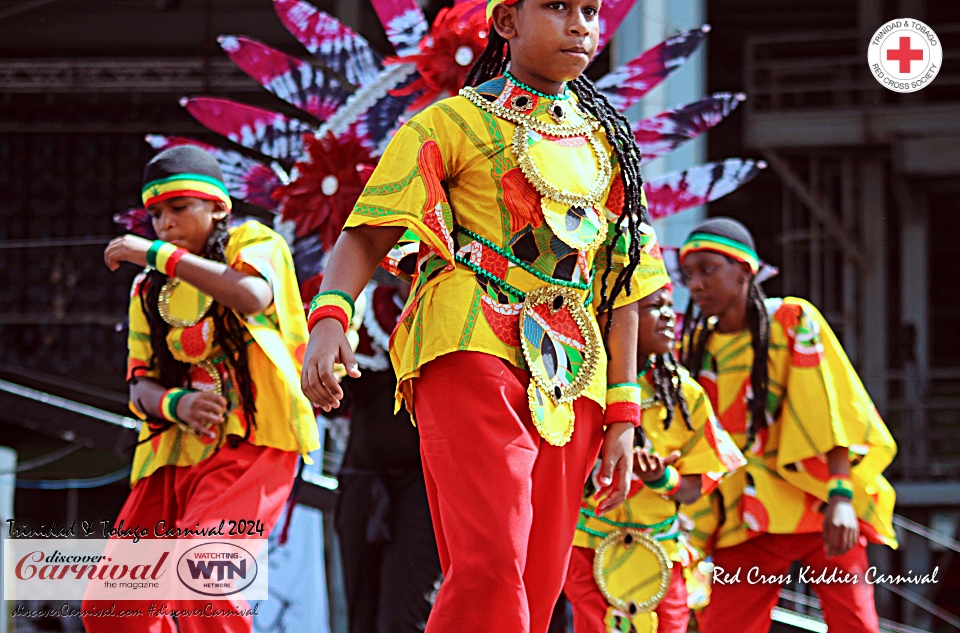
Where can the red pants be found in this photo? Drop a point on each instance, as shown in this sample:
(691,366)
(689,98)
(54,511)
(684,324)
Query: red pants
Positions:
(504,503)
(589,605)
(745,607)
(247,482)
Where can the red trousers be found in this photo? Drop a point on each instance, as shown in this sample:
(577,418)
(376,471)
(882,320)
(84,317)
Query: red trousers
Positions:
(589,605)
(247,482)
(504,502)
(745,607)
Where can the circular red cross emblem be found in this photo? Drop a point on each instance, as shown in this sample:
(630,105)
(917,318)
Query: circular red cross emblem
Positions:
(904,55)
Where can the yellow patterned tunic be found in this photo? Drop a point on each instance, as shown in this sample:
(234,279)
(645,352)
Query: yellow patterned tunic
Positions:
(816,402)
(705,450)
(458,177)
(276,341)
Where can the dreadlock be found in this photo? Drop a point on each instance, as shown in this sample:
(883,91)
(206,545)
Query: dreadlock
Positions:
(693,343)
(229,333)
(668,390)
(490,64)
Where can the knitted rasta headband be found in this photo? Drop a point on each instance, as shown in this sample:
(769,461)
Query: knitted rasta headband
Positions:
(185,171)
(725,236)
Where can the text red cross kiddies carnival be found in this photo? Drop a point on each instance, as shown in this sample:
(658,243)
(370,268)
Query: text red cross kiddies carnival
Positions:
(905,54)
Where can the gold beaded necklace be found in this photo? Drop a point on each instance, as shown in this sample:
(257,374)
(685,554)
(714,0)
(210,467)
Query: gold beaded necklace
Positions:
(521,115)
(521,147)
(163,305)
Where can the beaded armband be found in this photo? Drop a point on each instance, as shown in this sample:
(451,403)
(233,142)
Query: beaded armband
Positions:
(839,485)
(331,304)
(164,256)
(667,485)
(623,404)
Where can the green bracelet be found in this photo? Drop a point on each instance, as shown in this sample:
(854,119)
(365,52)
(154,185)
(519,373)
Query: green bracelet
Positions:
(152,253)
(840,491)
(168,404)
(668,484)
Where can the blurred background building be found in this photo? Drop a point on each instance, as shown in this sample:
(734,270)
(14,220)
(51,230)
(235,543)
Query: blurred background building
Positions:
(859,209)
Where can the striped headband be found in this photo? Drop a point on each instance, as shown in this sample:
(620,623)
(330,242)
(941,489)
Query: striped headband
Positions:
(723,245)
(492,3)
(186,186)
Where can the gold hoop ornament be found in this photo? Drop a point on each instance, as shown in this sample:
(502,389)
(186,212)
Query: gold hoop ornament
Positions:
(632,571)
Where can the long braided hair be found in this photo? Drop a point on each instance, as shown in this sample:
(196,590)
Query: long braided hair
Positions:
(697,330)
(229,333)
(667,389)
(491,63)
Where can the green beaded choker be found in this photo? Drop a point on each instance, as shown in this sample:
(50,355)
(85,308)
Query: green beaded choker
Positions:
(560,97)
(646,368)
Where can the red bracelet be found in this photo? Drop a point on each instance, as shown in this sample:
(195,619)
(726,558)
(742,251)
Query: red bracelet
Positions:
(622,412)
(170,267)
(328,312)
(673,491)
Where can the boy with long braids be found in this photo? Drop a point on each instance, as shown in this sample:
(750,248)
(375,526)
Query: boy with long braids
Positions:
(682,453)
(816,448)
(511,188)
(216,333)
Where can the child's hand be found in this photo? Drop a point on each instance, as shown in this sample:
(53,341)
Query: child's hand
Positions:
(841,529)
(202,410)
(126,248)
(615,466)
(649,466)
(328,345)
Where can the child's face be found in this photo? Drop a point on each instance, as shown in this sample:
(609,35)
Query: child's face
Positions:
(655,333)
(186,222)
(716,282)
(554,39)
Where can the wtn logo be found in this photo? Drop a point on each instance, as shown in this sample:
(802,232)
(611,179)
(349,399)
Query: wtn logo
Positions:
(224,569)
(217,569)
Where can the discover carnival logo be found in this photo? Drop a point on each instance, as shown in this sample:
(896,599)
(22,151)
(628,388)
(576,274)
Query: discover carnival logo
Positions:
(905,55)
(125,569)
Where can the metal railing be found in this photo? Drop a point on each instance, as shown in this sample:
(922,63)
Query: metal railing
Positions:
(148,75)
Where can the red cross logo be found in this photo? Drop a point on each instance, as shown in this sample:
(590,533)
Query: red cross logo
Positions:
(905,55)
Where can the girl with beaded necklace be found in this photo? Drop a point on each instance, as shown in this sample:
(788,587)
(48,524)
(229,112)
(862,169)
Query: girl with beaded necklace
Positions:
(216,333)
(682,453)
(524,197)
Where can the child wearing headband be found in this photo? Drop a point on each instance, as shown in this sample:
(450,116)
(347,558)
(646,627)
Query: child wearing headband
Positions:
(514,326)
(816,448)
(682,453)
(216,335)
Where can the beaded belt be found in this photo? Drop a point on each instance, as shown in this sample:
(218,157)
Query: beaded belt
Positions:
(558,337)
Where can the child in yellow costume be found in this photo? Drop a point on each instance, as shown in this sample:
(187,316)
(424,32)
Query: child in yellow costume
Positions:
(626,570)
(217,336)
(816,448)
(512,188)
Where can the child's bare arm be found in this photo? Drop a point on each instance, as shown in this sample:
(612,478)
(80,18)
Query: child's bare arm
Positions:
(355,257)
(618,438)
(245,293)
